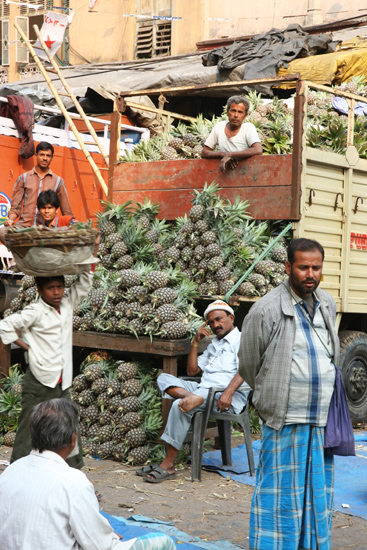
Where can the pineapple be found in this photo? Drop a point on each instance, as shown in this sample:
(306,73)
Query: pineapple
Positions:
(93,371)
(130,421)
(97,297)
(114,238)
(124,262)
(155,279)
(225,286)
(28,282)
(166,313)
(201,227)
(279,254)
(9,439)
(106,227)
(119,249)
(137,294)
(175,143)
(135,437)
(196,213)
(105,418)
(126,371)
(127,278)
(114,404)
(257,280)
(130,404)
(247,289)
(215,263)
(86,398)
(99,385)
(212,249)
(173,330)
(119,452)
(113,387)
(138,456)
(169,153)
(163,295)
(105,450)
(105,433)
(223,274)
(190,140)
(131,387)
(172,254)
(93,431)
(92,414)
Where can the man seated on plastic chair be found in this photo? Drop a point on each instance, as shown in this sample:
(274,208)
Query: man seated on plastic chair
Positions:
(218,366)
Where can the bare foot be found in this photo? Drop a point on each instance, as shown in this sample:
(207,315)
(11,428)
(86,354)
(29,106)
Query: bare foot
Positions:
(190,402)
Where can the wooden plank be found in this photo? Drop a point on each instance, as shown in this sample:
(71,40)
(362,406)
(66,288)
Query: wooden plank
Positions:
(115,136)
(5,359)
(264,181)
(94,340)
(265,203)
(169,367)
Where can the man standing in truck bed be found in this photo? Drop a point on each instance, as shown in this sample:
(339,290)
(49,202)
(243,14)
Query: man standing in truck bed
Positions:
(29,185)
(234,140)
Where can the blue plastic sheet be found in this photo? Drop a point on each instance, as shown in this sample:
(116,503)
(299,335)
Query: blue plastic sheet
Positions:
(340,104)
(350,474)
(138,525)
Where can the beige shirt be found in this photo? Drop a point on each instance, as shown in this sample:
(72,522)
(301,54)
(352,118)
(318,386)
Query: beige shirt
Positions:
(49,334)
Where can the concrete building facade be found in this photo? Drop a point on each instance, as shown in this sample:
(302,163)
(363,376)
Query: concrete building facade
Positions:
(105,31)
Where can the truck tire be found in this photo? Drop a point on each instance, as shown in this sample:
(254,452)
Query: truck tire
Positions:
(353,363)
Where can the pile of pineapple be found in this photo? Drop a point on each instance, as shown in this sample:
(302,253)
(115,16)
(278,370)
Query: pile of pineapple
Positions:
(10,405)
(120,408)
(151,271)
(273,119)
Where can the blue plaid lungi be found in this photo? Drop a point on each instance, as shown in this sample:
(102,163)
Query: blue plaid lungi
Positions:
(292,505)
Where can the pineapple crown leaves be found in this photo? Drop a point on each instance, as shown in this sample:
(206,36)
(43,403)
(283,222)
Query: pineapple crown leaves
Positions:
(208,197)
(255,100)
(15,377)
(152,423)
(10,404)
(147,208)
(113,211)
(187,290)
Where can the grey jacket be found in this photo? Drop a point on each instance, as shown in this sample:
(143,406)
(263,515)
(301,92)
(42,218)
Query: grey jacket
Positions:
(266,349)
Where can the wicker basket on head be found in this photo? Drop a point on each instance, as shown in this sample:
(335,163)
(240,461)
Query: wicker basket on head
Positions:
(40,251)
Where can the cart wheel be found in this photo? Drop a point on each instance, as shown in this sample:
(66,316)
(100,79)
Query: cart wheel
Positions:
(353,363)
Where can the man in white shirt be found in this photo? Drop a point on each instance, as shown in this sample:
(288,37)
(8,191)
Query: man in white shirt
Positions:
(46,505)
(218,366)
(234,140)
(46,333)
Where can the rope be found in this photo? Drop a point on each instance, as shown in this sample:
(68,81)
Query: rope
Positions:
(252,266)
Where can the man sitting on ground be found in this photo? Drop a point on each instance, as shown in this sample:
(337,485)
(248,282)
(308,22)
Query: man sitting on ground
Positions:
(218,365)
(46,505)
(47,205)
(234,140)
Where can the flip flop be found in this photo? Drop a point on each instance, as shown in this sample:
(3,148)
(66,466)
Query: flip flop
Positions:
(159,475)
(146,469)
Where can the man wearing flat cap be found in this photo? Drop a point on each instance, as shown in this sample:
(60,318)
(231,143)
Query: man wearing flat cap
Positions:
(218,366)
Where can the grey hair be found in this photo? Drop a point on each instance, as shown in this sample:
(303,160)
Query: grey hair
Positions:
(52,424)
(237,99)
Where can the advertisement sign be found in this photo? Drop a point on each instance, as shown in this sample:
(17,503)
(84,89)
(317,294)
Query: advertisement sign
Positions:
(4,207)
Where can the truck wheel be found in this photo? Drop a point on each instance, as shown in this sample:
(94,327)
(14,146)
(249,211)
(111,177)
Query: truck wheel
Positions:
(353,363)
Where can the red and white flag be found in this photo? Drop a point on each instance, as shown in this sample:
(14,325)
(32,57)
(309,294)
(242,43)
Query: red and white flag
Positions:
(92,3)
(52,32)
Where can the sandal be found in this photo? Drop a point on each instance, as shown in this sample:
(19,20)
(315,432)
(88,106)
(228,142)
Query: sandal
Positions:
(159,475)
(146,469)
(98,495)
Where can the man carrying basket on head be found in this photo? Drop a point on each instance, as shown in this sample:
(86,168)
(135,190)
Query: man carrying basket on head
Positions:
(44,329)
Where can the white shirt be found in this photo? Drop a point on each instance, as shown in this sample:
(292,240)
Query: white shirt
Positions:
(244,139)
(46,505)
(219,364)
(49,334)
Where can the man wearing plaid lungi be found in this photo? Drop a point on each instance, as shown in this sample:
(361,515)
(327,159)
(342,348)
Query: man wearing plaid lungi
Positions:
(287,344)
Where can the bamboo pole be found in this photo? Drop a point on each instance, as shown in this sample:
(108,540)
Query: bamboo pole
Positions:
(60,103)
(215,85)
(160,111)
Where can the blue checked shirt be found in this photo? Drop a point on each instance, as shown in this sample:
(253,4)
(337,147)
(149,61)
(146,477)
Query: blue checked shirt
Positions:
(312,372)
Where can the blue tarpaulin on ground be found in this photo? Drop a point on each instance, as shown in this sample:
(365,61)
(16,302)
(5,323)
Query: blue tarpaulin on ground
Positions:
(350,474)
(138,525)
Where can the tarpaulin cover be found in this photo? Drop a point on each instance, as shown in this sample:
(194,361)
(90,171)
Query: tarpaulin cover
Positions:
(264,54)
(331,68)
(350,474)
(138,525)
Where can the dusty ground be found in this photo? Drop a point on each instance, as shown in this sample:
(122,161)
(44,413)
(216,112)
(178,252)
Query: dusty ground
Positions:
(214,509)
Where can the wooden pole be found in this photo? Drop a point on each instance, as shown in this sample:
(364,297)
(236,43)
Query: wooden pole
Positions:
(115,135)
(159,111)
(62,107)
(214,85)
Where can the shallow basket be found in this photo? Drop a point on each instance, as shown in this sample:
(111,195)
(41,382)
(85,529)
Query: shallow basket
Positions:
(64,239)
